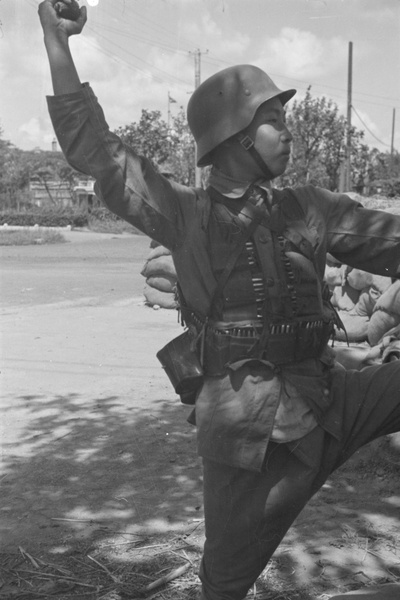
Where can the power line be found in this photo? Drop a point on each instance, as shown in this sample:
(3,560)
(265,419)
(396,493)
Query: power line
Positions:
(154,27)
(140,38)
(172,77)
(155,42)
(165,76)
(218,62)
(367,128)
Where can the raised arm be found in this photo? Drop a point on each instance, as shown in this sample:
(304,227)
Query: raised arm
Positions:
(56,35)
(127,183)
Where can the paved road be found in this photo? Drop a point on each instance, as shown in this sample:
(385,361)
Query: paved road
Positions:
(78,374)
(73,316)
(99,266)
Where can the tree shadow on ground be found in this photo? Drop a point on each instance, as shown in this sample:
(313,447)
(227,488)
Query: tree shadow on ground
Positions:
(103,461)
(102,477)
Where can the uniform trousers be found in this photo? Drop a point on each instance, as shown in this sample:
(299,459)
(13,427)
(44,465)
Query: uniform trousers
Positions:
(248,513)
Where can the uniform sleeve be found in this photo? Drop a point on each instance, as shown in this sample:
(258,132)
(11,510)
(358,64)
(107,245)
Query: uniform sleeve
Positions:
(128,184)
(362,238)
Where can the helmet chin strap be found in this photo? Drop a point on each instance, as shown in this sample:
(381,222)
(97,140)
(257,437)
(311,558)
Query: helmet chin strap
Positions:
(248,145)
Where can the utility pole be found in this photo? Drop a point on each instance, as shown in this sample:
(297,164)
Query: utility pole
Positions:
(197,67)
(197,80)
(349,103)
(392,143)
(170,101)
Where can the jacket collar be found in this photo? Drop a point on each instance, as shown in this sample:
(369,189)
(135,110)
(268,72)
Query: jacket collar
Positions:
(234,188)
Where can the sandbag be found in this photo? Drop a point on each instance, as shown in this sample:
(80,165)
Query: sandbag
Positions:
(156,298)
(356,328)
(366,302)
(381,283)
(358,279)
(164,284)
(158,251)
(352,357)
(380,323)
(386,313)
(390,299)
(334,276)
(391,345)
(344,297)
(162,266)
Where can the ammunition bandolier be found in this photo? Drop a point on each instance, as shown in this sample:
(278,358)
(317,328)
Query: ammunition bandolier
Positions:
(273,306)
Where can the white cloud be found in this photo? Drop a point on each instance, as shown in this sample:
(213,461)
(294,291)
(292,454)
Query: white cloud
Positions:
(209,27)
(35,132)
(302,55)
(381,10)
(127,92)
(279,36)
(200,30)
(31,128)
(233,50)
(373,135)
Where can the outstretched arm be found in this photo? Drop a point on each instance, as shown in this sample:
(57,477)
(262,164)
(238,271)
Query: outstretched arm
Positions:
(127,183)
(56,34)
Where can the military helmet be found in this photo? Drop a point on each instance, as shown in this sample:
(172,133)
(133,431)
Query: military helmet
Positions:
(226,103)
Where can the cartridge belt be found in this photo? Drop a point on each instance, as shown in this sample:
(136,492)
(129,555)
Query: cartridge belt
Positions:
(281,343)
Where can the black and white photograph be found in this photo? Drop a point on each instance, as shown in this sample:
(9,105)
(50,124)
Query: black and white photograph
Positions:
(200,299)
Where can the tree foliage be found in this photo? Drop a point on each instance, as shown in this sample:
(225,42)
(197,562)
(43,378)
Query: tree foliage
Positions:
(13,176)
(49,166)
(319,138)
(149,137)
(18,168)
(170,149)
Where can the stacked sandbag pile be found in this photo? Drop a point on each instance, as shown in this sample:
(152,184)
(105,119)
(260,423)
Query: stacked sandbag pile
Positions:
(367,304)
(160,274)
(386,314)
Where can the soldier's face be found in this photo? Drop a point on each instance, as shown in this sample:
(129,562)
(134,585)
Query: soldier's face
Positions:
(271,137)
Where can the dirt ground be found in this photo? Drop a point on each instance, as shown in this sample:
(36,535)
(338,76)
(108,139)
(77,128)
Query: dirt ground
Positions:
(100,482)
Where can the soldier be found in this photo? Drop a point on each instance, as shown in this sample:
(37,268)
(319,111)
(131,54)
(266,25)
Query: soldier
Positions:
(275,414)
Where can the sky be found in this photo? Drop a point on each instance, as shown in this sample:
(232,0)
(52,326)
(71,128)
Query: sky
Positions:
(138,53)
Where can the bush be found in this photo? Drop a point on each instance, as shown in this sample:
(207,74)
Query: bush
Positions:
(27,237)
(44,217)
(99,219)
(104,221)
(101,213)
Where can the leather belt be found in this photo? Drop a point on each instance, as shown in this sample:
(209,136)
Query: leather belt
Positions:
(282,343)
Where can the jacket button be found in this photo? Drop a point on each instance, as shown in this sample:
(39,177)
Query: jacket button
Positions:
(270,281)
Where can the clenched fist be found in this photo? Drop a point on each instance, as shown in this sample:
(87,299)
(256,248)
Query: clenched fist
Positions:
(68,10)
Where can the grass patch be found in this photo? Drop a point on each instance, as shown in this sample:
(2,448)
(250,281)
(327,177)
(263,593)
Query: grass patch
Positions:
(381,203)
(112,226)
(29,237)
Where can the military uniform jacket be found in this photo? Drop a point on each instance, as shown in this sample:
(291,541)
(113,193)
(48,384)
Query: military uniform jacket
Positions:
(235,412)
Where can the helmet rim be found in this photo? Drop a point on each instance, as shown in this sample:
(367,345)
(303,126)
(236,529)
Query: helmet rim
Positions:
(226,103)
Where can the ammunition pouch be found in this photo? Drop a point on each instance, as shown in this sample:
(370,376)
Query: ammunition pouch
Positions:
(185,364)
(282,344)
(181,362)
(209,347)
